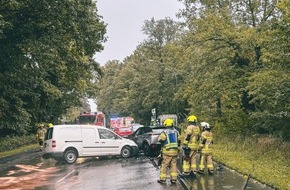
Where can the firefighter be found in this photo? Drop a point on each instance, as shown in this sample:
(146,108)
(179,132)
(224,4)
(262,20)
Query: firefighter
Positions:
(169,152)
(190,146)
(40,134)
(205,146)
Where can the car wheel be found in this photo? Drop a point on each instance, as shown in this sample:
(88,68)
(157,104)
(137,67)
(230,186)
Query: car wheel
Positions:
(70,156)
(146,149)
(126,152)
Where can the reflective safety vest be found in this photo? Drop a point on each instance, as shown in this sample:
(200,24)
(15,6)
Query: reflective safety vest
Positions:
(170,138)
(206,142)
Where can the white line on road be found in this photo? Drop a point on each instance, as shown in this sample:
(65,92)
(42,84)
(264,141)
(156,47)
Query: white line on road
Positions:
(66,176)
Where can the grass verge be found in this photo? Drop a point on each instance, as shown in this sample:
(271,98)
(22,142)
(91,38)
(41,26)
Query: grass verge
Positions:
(265,162)
(18,150)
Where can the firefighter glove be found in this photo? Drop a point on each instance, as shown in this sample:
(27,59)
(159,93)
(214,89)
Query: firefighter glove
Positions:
(184,147)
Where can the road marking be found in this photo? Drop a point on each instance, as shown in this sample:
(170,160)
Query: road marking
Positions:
(66,176)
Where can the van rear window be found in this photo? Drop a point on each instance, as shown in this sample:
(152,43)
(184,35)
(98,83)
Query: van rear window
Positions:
(49,133)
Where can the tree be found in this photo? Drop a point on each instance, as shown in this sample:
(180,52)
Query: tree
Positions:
(46,63)
(233,44)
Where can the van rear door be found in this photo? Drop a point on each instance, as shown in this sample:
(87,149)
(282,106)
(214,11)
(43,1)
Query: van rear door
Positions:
(48,142)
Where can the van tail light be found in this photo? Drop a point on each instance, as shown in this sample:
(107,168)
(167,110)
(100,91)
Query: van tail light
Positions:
(53,145)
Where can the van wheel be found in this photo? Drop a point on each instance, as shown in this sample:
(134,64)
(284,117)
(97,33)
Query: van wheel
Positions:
(126,152)
(70,156)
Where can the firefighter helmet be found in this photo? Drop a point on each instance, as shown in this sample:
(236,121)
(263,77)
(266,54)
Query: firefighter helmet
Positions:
(168,122)
(191,118)
(50,125)
(205,125)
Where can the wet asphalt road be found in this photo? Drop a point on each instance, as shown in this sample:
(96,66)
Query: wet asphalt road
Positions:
(30,171)
(33,172)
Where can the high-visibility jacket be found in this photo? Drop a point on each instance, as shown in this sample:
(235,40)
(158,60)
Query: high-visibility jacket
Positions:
(169,139)
(193,132)
(206,142)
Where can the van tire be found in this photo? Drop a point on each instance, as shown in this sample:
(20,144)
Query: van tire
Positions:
(126,152)
(70,156)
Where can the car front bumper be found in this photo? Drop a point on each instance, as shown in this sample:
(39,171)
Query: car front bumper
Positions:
(135,150)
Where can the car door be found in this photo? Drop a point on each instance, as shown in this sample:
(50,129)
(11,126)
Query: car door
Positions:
(110,143)
(135,138)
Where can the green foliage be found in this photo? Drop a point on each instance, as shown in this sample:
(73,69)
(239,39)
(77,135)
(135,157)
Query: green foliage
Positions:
(46,64)
(229,67)
(14,142)
(270,90)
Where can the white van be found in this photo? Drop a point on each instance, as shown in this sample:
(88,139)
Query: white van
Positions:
(69,142)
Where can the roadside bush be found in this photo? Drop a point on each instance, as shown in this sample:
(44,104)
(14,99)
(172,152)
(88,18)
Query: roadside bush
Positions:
(265,157)
(10,143)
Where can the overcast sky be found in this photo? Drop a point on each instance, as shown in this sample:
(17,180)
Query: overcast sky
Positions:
(125,19)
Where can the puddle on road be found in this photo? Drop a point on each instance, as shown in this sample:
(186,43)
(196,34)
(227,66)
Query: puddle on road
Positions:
(27,177)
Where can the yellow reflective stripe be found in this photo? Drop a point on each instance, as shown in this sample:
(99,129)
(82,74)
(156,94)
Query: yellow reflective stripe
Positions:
(185,142)
(170,151)
(196,131)
(171,145)
(173,174)
(193,166)
(163,176)
(185,168)
(210,166)
(193,146)
(209,138)
(206,151)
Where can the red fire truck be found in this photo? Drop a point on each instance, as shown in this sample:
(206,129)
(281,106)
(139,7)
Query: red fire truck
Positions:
(122,125)
(92,118)
(119,122)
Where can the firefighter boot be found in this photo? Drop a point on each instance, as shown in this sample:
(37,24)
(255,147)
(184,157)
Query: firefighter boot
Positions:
(161,181)
(192,174)
(173,181)
(200,171)
(185,175)
(210,171)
